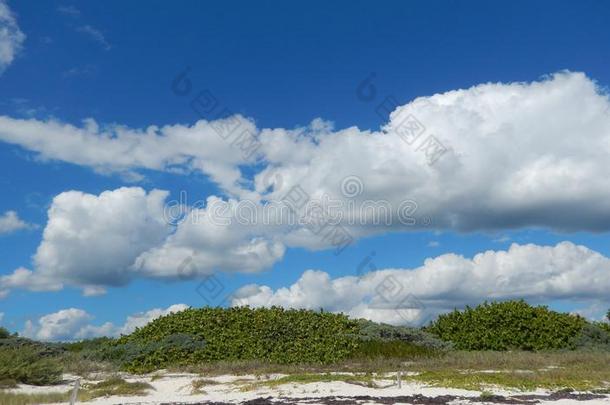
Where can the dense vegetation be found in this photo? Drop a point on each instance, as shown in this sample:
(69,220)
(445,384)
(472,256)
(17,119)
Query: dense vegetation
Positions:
(24,360)
(212,334)
(516,325)
(195,337)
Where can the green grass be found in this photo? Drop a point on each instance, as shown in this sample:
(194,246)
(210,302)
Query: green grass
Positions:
(197,385)
(28,365)
(362,379)
(114,386)
(8,398)
(518,370)
(7,383)
(524,370)
(396,349)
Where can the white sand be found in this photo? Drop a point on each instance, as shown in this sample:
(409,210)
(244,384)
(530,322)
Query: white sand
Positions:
(172,387)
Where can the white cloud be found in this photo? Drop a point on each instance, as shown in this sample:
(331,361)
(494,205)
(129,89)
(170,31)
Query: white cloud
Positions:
(27,279)
(400,296)
(70,11)
(60,325)
(521,155)
(120,149)
(93,291)
(11,37)
(73,324)
(95,34)
(10,222)
(141,319)
(212,245)
(1,316)
(95,241)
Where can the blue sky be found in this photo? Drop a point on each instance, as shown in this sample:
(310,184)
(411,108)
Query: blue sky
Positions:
(283,65)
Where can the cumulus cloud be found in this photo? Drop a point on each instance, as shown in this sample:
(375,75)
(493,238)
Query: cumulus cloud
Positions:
(74,324)
(517,155)
(10,222)
(413,296)
(27,279)
(212,244)
(95,241)
(11,37)
(116,148)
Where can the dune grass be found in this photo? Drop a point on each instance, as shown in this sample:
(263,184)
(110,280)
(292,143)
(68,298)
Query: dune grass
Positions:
(583,371)
(10,398)
(307,378)
(579,370)
(114,386)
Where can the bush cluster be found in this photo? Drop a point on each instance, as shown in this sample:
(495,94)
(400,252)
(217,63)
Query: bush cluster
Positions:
(372,331)
(509,325)
(269,334)
(28,364)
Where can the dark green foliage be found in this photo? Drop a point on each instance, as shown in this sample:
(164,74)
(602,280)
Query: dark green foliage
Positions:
(509,325)
(44,349)
(87,345)
(594,336)
(269,334)
(369,330)
(603,325)
(27,364)
(135,356)
(27,361)
(398,349)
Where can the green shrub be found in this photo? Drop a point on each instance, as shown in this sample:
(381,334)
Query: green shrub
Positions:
(369,330)
(4,333)
(86,345)
(27,364)
(241,333)
(593,337)
(509,325)
(396,349)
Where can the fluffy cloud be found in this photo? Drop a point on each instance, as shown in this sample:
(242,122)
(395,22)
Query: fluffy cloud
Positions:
(412,296)
(92,241)
(95,241)
(116,148)
(517,155)
(73,324)
(213,242)
(11,37)
(61,325)
(10,222)
(27,279)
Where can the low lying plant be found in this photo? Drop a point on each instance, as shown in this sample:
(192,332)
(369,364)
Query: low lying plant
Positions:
(29,365)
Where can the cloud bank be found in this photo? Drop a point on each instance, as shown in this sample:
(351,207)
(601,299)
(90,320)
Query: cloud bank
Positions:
(11,37)
(413,296)
(516,155)
(75,324)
